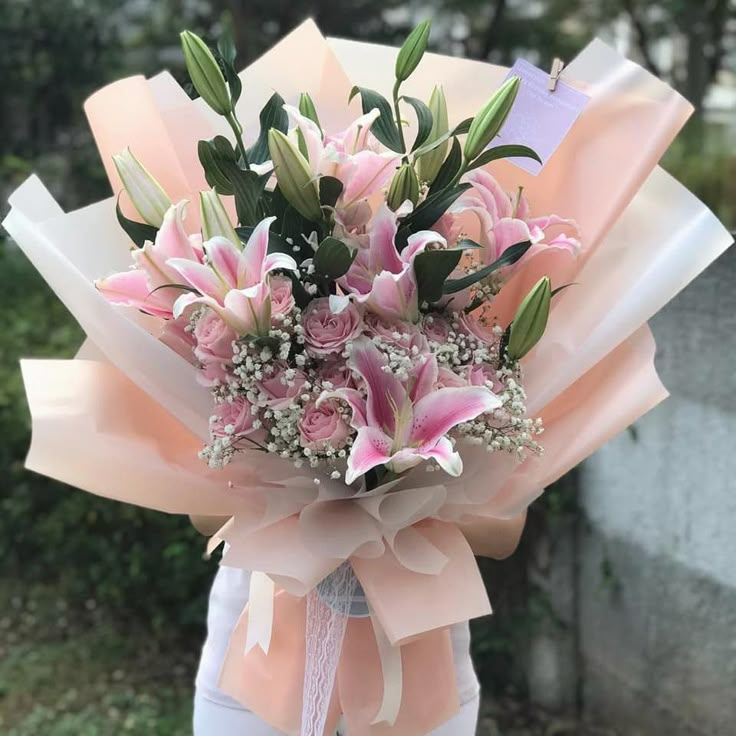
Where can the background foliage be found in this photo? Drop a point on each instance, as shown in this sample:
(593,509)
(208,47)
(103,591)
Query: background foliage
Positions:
(145,570)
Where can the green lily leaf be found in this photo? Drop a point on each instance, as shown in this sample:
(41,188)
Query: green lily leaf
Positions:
(247,188)
(499,152)
(333,258)
(424,120)
(510,256)
(429,211)
(330,190)
(450,166)
(459,129)
(272,115)
(385,127)
(138,232)
(431,268)
(217,157)
(227,54)
(300,294)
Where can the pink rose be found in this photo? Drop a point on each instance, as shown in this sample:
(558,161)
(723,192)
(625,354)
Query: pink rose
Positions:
(232,418)
(282,300)
(326,332)
(447,378)
(337,374)
(282,386)
(484,375)
(436,328)
(213,339)
(213,348)
(403,335)
(477,325)
(323,426)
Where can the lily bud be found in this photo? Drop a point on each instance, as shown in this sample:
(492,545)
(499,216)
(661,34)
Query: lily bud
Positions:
(489,121)
(215,220)
(412,51)
(295,178)
(404,185)
(205,73)
(429,164)
(530,320)
(146,194)
(307,108)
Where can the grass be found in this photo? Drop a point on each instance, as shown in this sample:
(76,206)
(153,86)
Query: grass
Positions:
(69,672)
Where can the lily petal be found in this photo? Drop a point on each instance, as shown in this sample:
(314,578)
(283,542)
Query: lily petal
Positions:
(371,447)
(224,258)
(446,456)
(250,267)
(385,392)
(200,277)
(438,412)
(132,289)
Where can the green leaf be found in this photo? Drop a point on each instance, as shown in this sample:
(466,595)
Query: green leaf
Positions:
(412,50)
(227,53)
(272,115)
(333,258)
(181,287)
(499,152)
(247,188)
(385,128)
(463,127)
(330,190)
(449,168)
(469,244)
(300,294)
(510,256)
(424,120)
(431,268)
(429,211)
(459,129)
(138,232)
(217,157)
(561,288)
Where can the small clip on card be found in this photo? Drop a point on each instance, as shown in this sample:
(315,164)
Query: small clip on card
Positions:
(557,66)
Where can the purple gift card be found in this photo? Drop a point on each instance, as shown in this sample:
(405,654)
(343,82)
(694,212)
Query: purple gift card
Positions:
(540,118)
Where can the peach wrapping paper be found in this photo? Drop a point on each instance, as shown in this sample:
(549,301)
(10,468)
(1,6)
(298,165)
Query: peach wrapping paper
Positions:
(126,421)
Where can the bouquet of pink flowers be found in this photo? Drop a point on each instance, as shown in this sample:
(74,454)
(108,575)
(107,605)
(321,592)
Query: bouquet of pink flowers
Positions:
(346,323)
(360,332)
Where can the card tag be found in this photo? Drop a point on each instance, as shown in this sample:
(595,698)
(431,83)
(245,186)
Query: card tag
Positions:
(540,117)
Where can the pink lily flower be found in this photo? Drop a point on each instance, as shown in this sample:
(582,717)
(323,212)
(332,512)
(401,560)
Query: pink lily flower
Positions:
(381,277)
(352,156)
(506,220)
(234,282)
(399,425)
(139,287)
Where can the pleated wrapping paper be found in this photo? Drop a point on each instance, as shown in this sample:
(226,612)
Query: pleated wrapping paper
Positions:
(126,418)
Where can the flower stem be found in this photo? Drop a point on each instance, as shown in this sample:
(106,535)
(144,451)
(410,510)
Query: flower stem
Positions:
(238,132)
(397,112)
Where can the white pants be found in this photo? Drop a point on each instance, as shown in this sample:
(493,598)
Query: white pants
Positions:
(216,719)
(215,714)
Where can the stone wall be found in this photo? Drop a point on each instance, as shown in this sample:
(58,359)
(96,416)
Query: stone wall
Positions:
(643,578)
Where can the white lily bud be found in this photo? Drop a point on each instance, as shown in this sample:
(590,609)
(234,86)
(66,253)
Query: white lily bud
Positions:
(215,220)
(149,199)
